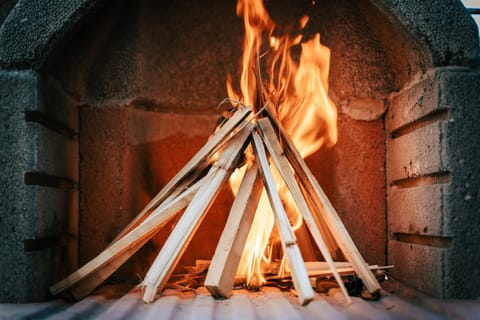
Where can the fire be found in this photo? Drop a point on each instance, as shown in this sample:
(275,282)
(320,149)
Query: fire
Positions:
(297,90)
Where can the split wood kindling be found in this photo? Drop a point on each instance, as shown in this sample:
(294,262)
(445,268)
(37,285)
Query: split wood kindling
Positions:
(242,140)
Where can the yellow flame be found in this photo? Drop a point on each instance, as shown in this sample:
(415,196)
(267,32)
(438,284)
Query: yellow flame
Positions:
(298,92)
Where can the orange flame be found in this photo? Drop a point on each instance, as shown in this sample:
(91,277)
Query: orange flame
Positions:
(298,93)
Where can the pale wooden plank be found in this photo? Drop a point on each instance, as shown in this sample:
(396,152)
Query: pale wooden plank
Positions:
(330,217)
(289,243)
(241,307)
(403,308)
(449,309)
(122,308)
(283,166)
(91,306)
(164,308)
(186,227)
(203,306)
(225,261)
(198,159)
(126,246)
(277,306)
(359,308)
(12,311)
(321,309)
(343,271)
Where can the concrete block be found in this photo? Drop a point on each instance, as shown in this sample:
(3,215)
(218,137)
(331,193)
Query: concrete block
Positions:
(446,29)
(418,153)
(55,154)
(413,102)
(449,209)
(5,8)
(420,210)
(421,267)
(32,28)
(26,212)
(54,210)
(17,90)
(460,90)
(58,105)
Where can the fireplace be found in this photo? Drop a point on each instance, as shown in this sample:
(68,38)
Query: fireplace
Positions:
(103,103)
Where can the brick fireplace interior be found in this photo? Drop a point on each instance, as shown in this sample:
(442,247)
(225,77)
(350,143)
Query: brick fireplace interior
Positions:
(101,104)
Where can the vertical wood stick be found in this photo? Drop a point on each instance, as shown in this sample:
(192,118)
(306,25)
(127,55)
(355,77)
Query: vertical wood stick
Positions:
(283,166)
(225,261)
(331,218)
(289,242)
(186,227)
(199,158)
(125,247)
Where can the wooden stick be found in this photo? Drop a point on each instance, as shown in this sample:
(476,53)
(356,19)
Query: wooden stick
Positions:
(186,227)
(331,218)
(225,261)
(289,242)
(283,166)
(125,247)
(198,159)
(344,271)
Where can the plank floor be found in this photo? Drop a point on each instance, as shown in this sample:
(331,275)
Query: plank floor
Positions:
(269,304)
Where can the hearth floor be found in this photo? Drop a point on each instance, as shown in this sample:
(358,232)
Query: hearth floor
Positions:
(269,304)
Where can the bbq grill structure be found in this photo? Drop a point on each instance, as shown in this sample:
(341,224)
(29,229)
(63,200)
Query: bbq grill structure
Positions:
(102,102)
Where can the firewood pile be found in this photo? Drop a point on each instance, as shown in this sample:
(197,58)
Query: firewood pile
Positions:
(259,142)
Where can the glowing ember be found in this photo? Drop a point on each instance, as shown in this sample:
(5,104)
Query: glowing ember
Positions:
(297,90)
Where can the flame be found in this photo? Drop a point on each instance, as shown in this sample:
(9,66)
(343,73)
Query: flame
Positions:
(298,91)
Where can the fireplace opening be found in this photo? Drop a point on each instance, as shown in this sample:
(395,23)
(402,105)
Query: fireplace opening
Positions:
(141,120)
(129,93)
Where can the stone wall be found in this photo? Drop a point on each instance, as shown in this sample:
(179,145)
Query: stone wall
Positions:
(433,182)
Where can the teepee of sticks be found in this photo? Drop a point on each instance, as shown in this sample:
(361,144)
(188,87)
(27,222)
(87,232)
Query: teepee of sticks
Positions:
(231,146)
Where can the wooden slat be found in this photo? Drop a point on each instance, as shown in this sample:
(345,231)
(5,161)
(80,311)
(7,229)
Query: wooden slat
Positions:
(125,247)
(359,308)
(321,309)
(283,166)
(197,160)
(186,227)
(164,308)
(203,306)
(331,218)
(30,310)
(91,306)
(242,307)
(277,306)
(404,309)
(289,242)
(225,261)
(123,308)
